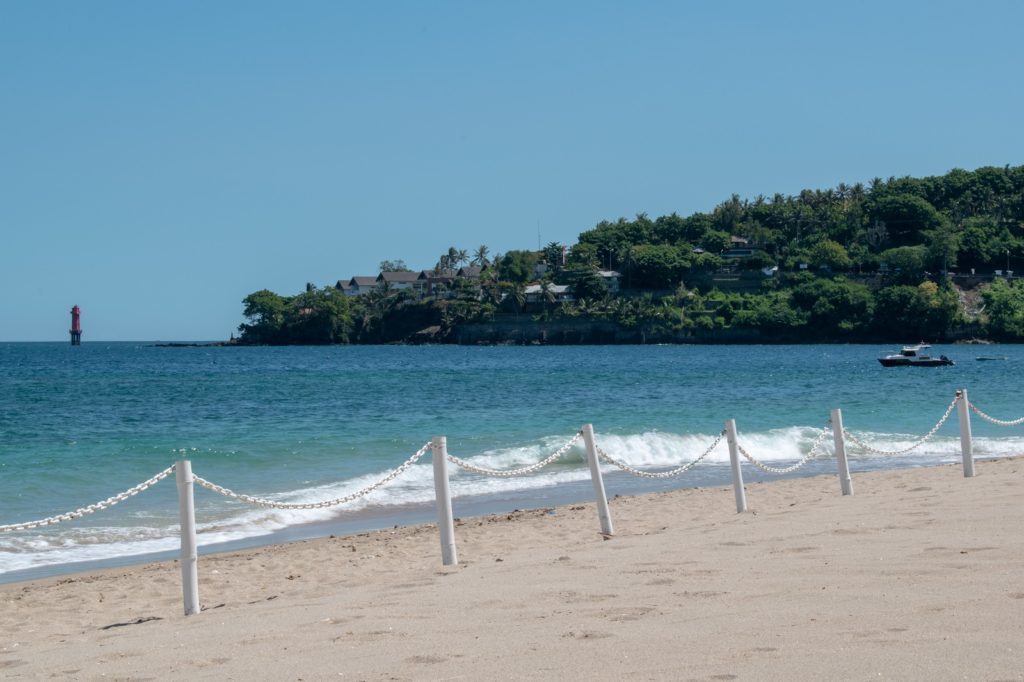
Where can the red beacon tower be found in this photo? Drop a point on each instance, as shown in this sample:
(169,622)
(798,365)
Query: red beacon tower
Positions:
(76,327)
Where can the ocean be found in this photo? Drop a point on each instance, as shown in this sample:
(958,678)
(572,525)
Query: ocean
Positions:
(304,424)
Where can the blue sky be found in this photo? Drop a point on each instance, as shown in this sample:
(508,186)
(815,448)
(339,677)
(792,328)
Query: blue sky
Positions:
(160,161)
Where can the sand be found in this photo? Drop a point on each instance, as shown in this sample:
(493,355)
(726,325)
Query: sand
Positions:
(919,575)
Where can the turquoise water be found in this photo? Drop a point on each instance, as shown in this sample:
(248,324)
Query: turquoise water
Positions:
(78,425)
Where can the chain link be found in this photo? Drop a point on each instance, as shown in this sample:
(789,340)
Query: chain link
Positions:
(811,454)
(508,473)
(261,502)
(859,443)
(999,422)
(82,511)
(660,474)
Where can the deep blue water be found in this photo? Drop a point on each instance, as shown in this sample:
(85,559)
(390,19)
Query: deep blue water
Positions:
(79,424)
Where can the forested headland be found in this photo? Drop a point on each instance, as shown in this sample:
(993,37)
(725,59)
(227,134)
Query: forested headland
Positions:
(901,260)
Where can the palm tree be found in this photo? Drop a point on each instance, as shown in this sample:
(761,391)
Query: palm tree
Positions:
(461,257)
(517,296)
(492,294)
(480,257)
(547,293)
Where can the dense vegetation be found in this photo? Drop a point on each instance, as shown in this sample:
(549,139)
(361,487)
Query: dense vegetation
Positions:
(890,260)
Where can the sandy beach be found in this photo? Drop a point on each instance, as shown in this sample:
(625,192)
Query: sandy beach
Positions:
(919,575)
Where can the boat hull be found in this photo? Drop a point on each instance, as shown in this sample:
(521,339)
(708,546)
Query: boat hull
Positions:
(917,362)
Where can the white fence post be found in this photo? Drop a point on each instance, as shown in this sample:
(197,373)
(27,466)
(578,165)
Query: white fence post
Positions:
(187,518)
(445,522)
(734,460)
(595,476)
(845,482)
(963,408)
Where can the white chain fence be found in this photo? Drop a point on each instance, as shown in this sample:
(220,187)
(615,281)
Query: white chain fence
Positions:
(508,473)
(261,502)
(659,474)
(861,444)
(82,511)
(811,454)
(993,420)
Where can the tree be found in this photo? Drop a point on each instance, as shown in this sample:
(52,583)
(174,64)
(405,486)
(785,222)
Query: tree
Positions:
(586,283)
(448,261)
(657,266)
(553,255)
(393,266)
(480,257)
(1004,309)
(729,213)
(714,241)
(943,245)
(517,266)
(984,241)
(906,216)
(834,306)
(265,312)
(492,294)
(831,255)
(317,317)
(906,261)
(548,296)
(771,312)
(584,255)
(926,311)
(515,296)
(384,302)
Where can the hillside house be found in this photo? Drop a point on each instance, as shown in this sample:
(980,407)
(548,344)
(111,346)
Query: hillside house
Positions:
(535,293)
(470,272)
(359,285)
(400,280)
(434,284)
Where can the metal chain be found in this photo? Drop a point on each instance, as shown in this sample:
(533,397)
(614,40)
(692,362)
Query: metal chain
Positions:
(260,502)
(858,442)
(508,473)
(78,513)
(811,454)
(1000,422)
(661,474)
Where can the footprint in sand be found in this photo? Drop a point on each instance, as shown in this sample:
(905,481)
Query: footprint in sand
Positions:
(631,614)
(587,634)
(660,581)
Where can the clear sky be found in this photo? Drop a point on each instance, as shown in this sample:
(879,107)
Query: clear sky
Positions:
(161,160)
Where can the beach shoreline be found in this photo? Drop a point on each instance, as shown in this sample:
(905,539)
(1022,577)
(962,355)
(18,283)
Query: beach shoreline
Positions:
(349,522)
(914,576)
